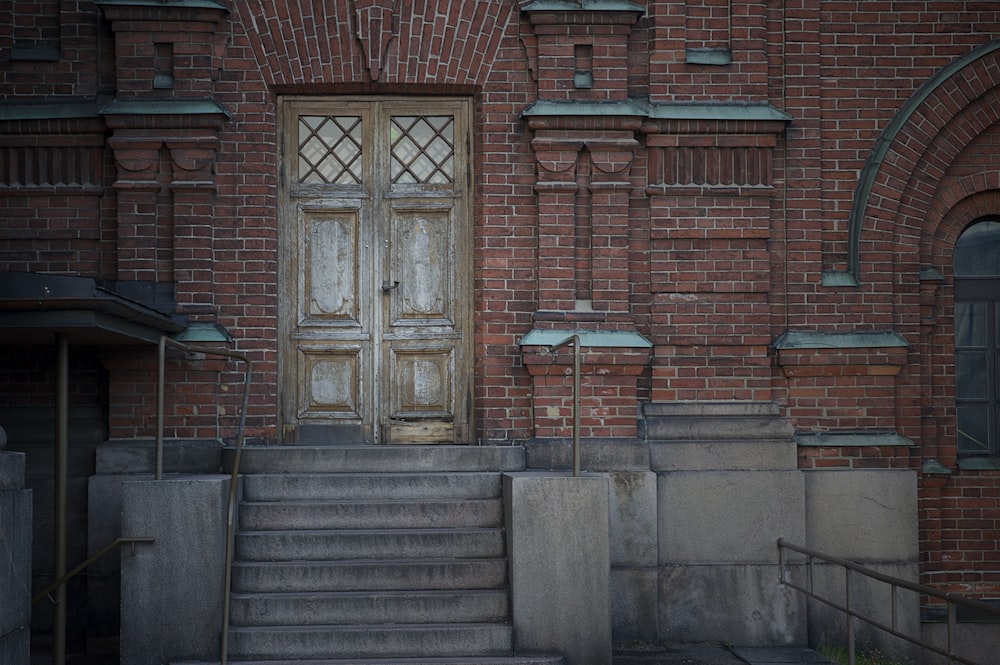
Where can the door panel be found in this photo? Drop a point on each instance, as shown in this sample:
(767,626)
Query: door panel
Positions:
(421,262)
(376,247)
(331,378)
(329,274)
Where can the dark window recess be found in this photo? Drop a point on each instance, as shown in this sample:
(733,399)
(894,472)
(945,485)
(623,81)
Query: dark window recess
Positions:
(977,339)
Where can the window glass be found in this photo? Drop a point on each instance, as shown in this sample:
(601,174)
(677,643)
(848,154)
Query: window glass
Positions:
(973,430)
(971,375)
(330,149)
(977,252)
(970,324)
(977,339)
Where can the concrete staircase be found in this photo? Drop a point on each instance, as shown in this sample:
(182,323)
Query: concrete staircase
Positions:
(373,555)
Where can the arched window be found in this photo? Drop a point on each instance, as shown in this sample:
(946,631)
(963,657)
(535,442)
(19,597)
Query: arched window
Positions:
(977,339)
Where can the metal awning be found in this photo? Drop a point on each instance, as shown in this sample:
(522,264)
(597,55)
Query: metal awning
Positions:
(36,308)
(59,310)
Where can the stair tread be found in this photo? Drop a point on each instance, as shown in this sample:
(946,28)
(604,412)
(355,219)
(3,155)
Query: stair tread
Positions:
(378,530)
(361,627)
(339,548)
(362,593)
(518,659)
(368,502)
(428,561)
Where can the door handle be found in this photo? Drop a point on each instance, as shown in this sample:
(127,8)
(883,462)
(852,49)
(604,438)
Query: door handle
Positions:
(387,286)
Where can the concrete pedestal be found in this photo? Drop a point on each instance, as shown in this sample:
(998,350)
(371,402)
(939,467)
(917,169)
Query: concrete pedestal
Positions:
(558,549)
(172,589)
(15,561)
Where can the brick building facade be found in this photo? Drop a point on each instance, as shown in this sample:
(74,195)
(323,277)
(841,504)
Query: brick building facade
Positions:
(395,207)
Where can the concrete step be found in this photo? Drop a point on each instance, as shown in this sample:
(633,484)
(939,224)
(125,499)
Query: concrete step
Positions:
(377,459)
(278,515)
(368,641)
(520,659)
(370,607)
(331,545)
(360,486)
(360,575)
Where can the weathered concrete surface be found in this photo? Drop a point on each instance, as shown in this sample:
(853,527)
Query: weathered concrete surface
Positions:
(557,529)
(632,506)
(975,641)
(870,598)
(118,461)
(172,589)
(15,561)
(728,517)
(868,516)
(863,514)
(745,603)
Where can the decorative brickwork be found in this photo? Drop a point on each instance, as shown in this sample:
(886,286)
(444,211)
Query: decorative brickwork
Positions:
(706,176)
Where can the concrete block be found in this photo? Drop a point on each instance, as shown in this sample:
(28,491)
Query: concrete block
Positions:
(741,604)
(104,524)
(704,421)
(632,506)
(863,514)
(15,575)
(975,641)
(557,529)
(595,454)
(138,456)
(634,605)
(172,589)
(753,455)
(728,517)
(11,470)
(870,598)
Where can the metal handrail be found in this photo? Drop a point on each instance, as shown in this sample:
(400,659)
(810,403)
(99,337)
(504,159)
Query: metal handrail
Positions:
(234,474)
(86,562)
(161,381)
(573,339)
(951,598)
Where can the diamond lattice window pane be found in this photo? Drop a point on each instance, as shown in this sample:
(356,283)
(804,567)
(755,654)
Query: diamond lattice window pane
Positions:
(423,149)
(330,150)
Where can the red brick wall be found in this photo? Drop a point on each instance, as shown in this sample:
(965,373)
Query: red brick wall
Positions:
(711,240)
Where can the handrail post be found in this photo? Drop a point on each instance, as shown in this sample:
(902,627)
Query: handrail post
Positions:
(951,599)
(574,339)
(850,618)
(234,475)
(576,406)
(60,498)
(160,389)
(951,631)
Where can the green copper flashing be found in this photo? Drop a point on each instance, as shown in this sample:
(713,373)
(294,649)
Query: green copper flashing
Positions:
(49,111)
(836,439)
(806,339)
(934,467)
(708,56)
(542,108)
(929,274)
(679,111)
(203,332)
(874,162)
(164,107)
(838,278)
(979,463)
(720,111)
(583,5)
(588,338)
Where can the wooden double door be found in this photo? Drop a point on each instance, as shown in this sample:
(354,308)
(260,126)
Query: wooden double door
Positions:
(376,281)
